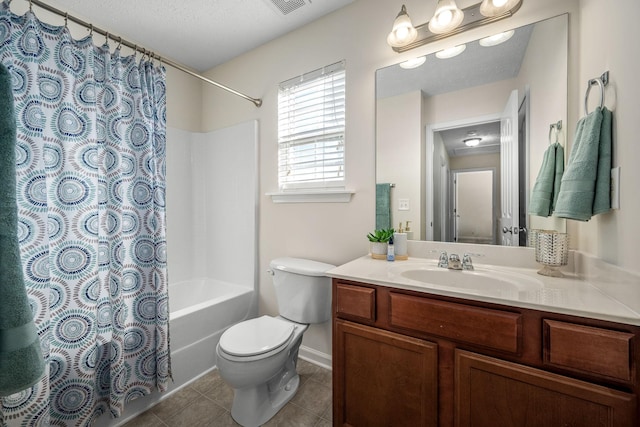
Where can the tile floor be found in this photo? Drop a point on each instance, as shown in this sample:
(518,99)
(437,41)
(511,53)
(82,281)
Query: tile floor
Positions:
(207,402)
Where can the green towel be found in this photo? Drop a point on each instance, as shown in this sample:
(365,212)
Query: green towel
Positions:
(21,362)
(383,206)
(584,186)
(547,185)
(602,198)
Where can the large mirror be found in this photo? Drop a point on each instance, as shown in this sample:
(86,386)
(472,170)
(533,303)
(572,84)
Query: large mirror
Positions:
(505,97)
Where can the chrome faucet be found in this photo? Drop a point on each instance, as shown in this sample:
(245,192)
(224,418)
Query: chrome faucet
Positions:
(454,262)
(443,261)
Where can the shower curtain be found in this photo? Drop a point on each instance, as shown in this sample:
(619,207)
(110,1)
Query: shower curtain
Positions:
(90,166)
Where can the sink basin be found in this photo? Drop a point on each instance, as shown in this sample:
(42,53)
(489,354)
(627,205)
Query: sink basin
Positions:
(481,281)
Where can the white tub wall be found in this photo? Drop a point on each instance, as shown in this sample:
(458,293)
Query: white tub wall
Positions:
(212,181)
(227,195)
(181,221)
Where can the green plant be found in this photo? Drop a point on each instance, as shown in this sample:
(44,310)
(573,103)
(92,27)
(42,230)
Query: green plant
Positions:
(382,235)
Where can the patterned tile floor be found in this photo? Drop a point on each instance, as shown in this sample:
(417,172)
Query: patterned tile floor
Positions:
(207,402)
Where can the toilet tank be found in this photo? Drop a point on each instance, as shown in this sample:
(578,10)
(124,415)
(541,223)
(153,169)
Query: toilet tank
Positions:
(302,289)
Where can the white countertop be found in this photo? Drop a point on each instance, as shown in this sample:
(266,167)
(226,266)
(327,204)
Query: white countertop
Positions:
(567,295)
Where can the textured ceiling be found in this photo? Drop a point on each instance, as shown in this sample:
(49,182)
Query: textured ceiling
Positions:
(199,33)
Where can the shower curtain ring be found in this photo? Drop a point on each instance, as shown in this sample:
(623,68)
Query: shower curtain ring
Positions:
(30,6)
(119,42)
(106,38)
(90,30)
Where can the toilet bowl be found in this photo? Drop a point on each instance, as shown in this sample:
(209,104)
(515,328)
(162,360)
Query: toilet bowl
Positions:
(258,357)
(264,382)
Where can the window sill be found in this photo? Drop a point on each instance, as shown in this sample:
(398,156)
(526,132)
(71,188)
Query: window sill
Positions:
(311,196)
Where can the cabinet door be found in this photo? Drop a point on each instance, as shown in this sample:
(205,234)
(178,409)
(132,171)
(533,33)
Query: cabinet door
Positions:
(491,392)
(382,378)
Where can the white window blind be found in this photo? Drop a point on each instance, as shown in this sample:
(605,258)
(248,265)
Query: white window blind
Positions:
(311,123)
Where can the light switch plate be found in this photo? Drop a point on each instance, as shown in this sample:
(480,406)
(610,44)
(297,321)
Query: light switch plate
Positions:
(403,204)
(615,188)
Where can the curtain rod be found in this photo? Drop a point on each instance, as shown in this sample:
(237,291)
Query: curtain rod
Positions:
(256,101)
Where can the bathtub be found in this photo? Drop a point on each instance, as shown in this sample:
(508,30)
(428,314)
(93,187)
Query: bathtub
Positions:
(200,311)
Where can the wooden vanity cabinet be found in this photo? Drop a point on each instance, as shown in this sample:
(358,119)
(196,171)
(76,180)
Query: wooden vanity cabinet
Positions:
(403,358)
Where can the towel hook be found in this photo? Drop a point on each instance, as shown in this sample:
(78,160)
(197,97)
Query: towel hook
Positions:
(601,81)
(558,127)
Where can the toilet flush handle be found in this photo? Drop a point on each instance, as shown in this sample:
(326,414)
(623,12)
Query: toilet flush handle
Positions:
(270,272)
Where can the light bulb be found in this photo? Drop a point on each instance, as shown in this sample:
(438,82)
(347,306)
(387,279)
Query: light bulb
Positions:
(499,3)
(444,17)
(401,33)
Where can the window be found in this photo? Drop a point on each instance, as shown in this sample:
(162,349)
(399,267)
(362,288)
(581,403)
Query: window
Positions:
(311,124)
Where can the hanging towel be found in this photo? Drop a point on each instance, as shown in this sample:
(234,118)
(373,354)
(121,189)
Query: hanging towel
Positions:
(588,170)
(21,362)
(383,206)
(602,198)
(545,191)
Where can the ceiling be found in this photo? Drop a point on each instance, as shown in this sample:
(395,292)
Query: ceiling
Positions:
(199,33)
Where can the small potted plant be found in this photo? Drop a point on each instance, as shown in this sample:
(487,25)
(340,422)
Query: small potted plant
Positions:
(378,242)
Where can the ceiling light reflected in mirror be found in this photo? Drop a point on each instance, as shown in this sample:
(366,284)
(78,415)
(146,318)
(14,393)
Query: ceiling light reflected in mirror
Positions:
(472,142)
(496,39)
(451,52)
(413,63)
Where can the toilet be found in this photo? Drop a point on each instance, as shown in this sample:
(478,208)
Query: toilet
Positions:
(258,357)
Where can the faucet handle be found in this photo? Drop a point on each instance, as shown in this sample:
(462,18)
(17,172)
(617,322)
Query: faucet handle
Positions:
(467,263)
(443,261)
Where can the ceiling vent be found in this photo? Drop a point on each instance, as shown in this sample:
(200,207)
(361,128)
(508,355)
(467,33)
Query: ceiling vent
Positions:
(287,6)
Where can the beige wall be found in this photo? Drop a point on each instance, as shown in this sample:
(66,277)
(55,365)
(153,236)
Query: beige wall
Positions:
(609,42)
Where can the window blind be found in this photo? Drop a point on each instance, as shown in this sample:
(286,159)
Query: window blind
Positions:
(311,124)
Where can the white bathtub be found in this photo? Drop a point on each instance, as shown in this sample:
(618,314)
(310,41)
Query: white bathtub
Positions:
(200,311)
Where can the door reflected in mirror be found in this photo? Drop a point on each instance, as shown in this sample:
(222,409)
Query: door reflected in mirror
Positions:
(489,108)
(473,207)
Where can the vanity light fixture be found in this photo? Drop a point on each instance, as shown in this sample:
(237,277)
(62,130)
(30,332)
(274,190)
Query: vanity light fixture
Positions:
(496,39)
(472,142)
(498,7)
(413,63)
(403,31)
(447,20)
(451,52)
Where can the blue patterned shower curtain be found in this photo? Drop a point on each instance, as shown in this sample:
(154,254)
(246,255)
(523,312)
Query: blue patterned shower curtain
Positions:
(91,197)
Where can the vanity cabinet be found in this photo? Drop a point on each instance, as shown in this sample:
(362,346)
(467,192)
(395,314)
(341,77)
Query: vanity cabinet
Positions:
(405,358)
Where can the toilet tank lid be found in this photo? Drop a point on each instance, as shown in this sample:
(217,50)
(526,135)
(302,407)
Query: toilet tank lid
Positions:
(306,267)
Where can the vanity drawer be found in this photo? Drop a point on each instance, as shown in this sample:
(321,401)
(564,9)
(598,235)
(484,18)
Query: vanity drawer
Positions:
(499,330)
(587,349)
(355,301)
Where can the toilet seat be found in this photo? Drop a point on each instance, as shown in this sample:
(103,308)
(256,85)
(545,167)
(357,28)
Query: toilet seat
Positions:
(256,336)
